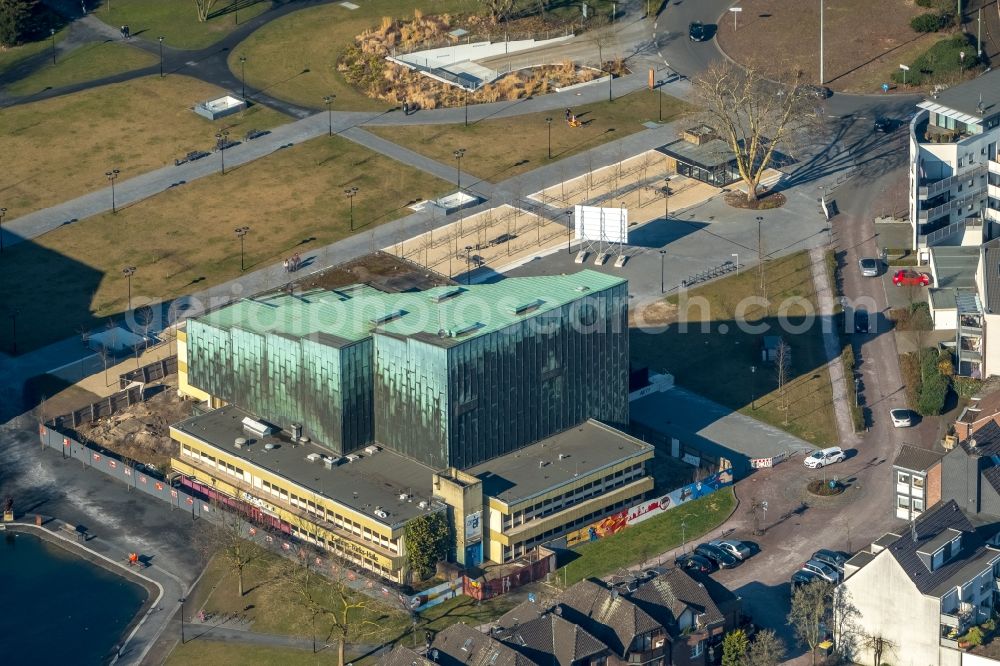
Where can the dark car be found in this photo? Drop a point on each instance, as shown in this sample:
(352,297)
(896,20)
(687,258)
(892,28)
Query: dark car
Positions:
(697,31)
(885,125)
(803,578)
(831,557)
(718,556)
(692,562)
(861,320)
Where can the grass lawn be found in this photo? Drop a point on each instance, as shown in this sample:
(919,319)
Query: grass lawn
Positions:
(295,57)
(60,148)
(177,20)
(643,541)
(182,240)
(213,653)
(87,63)
(488,146)
(699,360)
(940,63)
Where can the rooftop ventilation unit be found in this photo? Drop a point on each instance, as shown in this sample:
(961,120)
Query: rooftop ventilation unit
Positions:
(422,504)
(403,497)
(372,450)
(240,442)
(353,458)
(380,512)
(330,462)
(313,457)
(386,318)
(526,307)
(258,428)
(445,295)
(269,446)
(457,332)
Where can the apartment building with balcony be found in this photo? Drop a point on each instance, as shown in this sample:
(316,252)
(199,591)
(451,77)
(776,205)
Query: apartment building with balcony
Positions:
(923,588)
(917,474)
(954,174)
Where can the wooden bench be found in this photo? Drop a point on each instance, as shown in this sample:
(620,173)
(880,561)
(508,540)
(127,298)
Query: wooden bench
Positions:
(72,531)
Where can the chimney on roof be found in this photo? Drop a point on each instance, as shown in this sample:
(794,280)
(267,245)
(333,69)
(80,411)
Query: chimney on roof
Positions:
(913,530)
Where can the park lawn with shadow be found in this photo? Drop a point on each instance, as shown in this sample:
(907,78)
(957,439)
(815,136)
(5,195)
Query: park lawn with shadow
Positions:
(182,240)
(641,542)
(713,356)
(58,149)
(177,21)
(218,653)
(490,153)
(294,58)
(89,62)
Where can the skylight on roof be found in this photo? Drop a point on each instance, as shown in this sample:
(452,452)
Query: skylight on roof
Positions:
(526,307)
(386,318)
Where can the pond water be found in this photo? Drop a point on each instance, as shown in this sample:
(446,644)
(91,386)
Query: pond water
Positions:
(57,607)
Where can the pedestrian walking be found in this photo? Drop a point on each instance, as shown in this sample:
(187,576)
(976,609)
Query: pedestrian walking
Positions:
(406,109)
(286,265)
(122,30)
(128,32)
(568,114)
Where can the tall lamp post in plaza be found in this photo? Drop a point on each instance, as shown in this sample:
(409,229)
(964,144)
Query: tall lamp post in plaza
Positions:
(736,255)
(351,192)
(112,177)
(569,232)
(128,272)
(663,256)
(243,76)
(241,233)
(160,40)
(466,108)
(666,201)
(753,387)
(458,160)
(182,600)
(548,121)
(52,31)
(221,139)
(468,265)
(329,112)
(3,212)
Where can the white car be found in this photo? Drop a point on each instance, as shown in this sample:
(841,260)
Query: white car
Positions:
(825,457)
(901,418)
(734,548)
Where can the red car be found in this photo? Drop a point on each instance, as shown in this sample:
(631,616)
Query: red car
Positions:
(907,278)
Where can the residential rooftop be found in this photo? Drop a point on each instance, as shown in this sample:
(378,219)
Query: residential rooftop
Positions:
(976,99)
(373,480)
(443,316)
(555,460)
(915,459)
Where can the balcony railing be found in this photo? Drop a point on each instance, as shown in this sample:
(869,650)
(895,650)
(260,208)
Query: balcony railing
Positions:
(936,187)
(954,204)
(958,227)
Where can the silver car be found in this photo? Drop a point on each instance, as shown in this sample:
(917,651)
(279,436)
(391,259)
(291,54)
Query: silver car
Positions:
(823,570)
(868,266)
(735,548)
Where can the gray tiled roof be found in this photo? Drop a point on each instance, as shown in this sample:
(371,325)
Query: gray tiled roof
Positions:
(992,476)
(606,614)
(666,596)
(404,656)
(928,529)
(966,96)
(519,614)
(913,458)
(462,645)
(551,639)
(987,441)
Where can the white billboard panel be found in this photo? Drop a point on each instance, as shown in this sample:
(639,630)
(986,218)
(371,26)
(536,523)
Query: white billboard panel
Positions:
(607,225)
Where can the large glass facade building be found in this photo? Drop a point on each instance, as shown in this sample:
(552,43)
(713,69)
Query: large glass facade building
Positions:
(451,376)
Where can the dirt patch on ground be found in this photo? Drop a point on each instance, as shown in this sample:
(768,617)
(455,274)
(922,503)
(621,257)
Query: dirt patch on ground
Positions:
(865,41)
(142,432)
(659,313)
(379,269)
(765,201)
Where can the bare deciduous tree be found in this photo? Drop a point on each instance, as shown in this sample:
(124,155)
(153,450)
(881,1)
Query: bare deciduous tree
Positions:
(499,10)
(766,649)
(810,609)
(204,8)
(751,114)
(230,539)
(783,371)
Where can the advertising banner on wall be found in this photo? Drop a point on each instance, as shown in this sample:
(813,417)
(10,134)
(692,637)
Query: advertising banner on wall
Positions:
(473,526)
(650,508)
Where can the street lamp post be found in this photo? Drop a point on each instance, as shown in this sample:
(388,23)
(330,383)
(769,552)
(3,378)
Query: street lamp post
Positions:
(52,31)
(3,212)
(112,177)
(611,77)
(350,192)
(683,536)
(822,78)
(329,112)
(241,233)
(663,255)
(659,105)
(468,264)
(128,272)
(182,600)
(569,232)
(160,39)
(221,139)
(548,121)
(458,160)
(466,108)
(243,76)
(737,256)
(666,201)
(753,387)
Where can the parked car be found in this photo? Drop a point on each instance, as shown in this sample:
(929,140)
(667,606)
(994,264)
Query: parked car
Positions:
(824,457)
(693,562)
(719,557)
(884,125)
(823,570)
(861,317)
(869,266)
(697,31)
(733,547)
(904,277)
(803,577)
(901,418)
(831,557)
